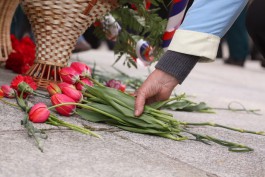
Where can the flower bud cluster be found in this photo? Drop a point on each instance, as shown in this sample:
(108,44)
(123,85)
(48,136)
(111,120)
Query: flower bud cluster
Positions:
(64,96)
(70,90)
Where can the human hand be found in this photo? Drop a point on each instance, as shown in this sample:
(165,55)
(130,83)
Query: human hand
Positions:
(157,87)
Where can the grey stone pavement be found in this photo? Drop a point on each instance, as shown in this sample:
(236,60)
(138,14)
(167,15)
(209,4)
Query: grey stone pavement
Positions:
(122,154)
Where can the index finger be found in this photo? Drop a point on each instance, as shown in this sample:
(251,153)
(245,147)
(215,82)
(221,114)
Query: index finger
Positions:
(139,104)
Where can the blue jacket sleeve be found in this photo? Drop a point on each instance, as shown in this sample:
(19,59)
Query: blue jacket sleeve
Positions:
(205,23)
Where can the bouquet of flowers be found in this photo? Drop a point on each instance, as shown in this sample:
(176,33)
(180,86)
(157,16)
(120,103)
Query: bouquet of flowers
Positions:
(100,103)
(93,101)
(23,55)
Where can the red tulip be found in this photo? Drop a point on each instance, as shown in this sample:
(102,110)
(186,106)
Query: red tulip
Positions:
(76,95)
(64,84)
(53,88)
(116,85)
(85,81)
(8,91)
(65,110)
(82,69)
(39,113)
(69,75)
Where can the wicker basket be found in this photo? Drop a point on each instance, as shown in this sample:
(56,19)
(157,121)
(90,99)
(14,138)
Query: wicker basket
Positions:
(7,10)
(57,24)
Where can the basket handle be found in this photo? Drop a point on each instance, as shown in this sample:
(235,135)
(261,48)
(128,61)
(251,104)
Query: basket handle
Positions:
(90,6)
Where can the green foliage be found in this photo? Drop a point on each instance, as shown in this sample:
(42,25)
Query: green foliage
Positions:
(136,24)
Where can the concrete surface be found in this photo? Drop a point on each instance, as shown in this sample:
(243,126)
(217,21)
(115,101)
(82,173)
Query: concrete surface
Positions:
(121,153)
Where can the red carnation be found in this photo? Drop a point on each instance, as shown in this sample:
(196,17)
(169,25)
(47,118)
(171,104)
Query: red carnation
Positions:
(27,82)
(23,55)
(19,78)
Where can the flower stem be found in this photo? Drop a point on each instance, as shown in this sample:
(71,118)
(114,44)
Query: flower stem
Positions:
(234,147)
(34,132)
(229,107)
(89,108)
(40,95)
(8,103)
(164,118)
(222,126)
(253,111)
(53,120)
(173,99)
(88,95)
(95,82)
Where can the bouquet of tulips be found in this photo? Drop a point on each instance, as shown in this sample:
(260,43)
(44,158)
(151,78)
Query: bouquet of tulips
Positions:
(110,104)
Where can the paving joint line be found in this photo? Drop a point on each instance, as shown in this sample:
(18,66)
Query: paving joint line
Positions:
(174,159)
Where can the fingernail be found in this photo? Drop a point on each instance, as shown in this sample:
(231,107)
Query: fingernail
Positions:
(136,113)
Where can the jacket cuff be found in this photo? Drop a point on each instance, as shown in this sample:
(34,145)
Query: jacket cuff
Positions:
(177,64)
(199,44)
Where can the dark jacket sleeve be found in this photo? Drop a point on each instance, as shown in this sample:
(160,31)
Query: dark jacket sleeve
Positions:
(177,64)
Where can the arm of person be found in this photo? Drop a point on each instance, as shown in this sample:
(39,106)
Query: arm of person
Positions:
(197,39)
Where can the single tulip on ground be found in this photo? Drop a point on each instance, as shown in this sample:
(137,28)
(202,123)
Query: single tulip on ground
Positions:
(39,113)
(69,75)
(65,110)
(53,88)
(82,69)
(81,85)
(8,91)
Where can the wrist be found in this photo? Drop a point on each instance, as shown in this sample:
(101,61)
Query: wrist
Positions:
(165,78)
(177,64)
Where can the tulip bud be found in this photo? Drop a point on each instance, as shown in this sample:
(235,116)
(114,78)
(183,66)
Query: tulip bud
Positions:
(8,91)
(76,95)
(53,88)
(1,93)
(81,87)
(65,110)
(69,75)
(39,113)
(116,85)
(82,69)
